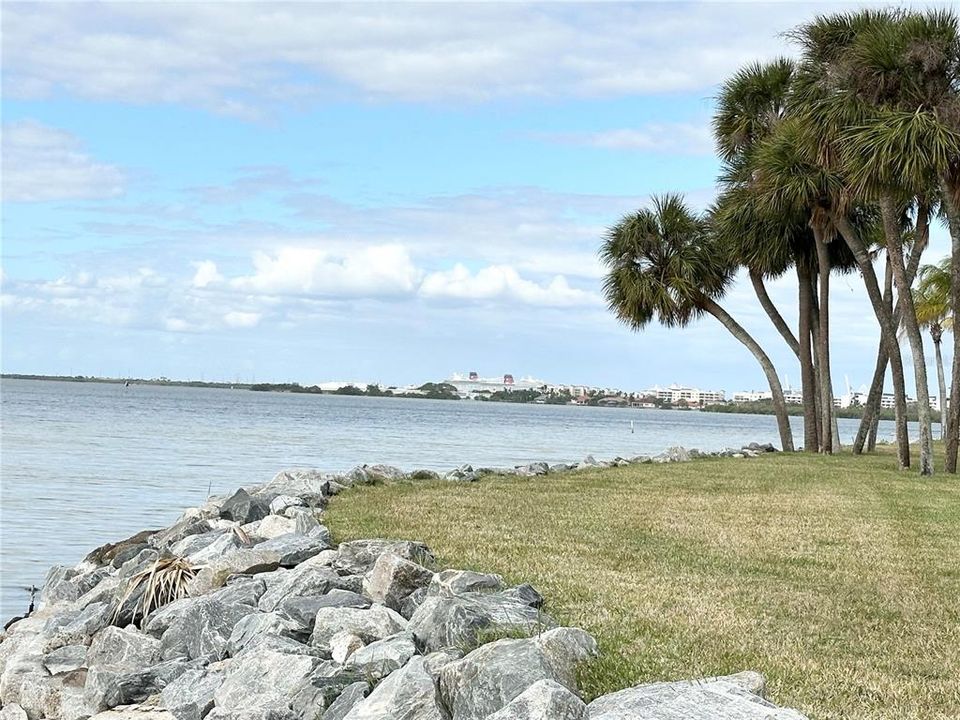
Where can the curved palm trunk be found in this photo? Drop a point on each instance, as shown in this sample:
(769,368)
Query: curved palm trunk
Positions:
(887,328)
(775,317)
(823,344)
(951,203)
(808,382)
(936,332)
(912,327)
(776,390)
(815,338)
(867,432)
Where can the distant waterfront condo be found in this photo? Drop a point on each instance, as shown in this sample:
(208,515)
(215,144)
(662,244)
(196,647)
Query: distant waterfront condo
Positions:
(675,394)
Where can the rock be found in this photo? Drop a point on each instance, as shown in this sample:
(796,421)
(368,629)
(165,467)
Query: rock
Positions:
(351,695)
(263,679)
(412,602)
(245,561)
(673,454)
(561,467)
(372,624)
(357,557)
(312,486)
(197,627)
(12,711)
(464,473)
(242,508)
(733,696)
(544,700)
(179,531)
(274,526)
(455,582)
(344,644)
(105,687)
(256,627)
(281,502)
(491,676)
(406,694)
(190,696)
(455,621)
(434,662)
(423,475)
(589,461)
(382,657)
(211,546)
(385,473)
(303,610)
(134,713)
(302,581)
(65,659)
(525,594)
(292,549)
(393,578)
(57,586)
(123,648)
(105,554)
(324,685)
(532,469)
(78,627)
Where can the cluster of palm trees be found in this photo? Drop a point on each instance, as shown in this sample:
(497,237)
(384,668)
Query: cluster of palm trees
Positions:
(833,163)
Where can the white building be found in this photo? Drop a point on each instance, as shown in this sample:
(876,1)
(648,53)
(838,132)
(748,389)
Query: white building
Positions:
(471,384)
(691,396)
(790,396)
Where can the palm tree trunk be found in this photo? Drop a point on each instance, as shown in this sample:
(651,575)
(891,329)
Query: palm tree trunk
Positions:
(776,390)
(888,330)
(895,252)
(815,337)
(867,432)
(823,343)
(775,317)
(951,204)
(936,332)
(808,382)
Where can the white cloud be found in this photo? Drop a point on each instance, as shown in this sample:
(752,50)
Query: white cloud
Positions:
(242,58)
(503,283)
(673,138)
(237,319)
(206,274)
(379,270)
(44,163)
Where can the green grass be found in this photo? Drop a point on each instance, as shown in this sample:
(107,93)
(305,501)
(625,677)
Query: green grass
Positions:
(836,577)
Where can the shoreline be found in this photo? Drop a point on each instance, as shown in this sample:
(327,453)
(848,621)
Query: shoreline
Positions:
(258,613)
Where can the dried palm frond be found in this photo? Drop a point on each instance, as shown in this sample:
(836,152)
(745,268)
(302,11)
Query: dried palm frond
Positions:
(164,581)
(242,536)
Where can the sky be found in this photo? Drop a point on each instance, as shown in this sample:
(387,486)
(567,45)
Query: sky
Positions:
(369,192)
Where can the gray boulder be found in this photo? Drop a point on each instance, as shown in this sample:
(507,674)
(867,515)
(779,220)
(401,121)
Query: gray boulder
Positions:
(382,657)
(456,621)
(292,548)
(533,469)
(197,627)
(256,627)
(303,610)
(464,473)
(456,582)
(274,526)
(357,557)
(491,676)
(673,454)
(544,700)
(190,696)
(124,648)
(242,508)
(406,694)
(239,562)
(263,679)
(372,624)
(351,695)
(65,659)
(281,502)
(300,582)
(312,486)
(393,578)
(734,696)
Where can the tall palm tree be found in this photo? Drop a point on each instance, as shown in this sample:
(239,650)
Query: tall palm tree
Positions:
(932,298)
(664,265)
(749,107)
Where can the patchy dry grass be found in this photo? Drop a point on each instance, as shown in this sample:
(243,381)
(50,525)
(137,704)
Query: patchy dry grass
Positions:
(838,578)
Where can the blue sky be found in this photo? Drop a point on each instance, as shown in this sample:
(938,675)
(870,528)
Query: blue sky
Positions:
(366,192)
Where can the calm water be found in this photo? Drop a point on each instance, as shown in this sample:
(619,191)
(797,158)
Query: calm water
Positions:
(85,463)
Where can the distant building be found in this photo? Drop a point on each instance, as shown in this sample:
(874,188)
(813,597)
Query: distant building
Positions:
(675,394)
(471,385)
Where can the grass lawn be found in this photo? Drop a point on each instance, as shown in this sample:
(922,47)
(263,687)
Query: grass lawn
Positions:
(837,577)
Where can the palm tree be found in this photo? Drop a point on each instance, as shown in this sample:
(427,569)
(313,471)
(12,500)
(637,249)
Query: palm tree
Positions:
(933,312)
(749,107)
(663,264)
